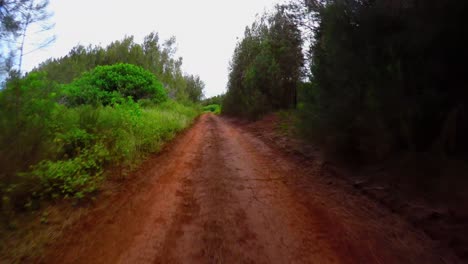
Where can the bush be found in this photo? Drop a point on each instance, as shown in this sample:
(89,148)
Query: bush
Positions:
(74,177)
(214,108)
(27,113)
(118,135)
(384,83)
(49,150)
(105,84)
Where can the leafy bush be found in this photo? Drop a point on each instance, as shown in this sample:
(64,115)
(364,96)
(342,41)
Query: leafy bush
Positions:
(214,108)
(49,150)
(118,135)
(75,177)
(27,112)
(105,84)
(153,55)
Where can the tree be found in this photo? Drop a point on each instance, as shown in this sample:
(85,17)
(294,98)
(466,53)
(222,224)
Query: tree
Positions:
(266,67)
(34,13)
(386,76)
(105,84)
(9,17)
(217,99)
(194,87)
(158,58)
(17,17)
(10,26)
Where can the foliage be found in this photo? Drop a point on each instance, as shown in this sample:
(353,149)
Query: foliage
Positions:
(194,88)
(104,84)
(16,17)
(265,68)
(76,176)
(214,108)
(49,150)
(217,99)
(386,77)
(158,58)
(13,14)
(9,17)
(27,112)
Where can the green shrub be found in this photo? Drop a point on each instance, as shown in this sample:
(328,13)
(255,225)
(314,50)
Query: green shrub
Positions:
(73,177)
(27,113)
(214,108)
(119,135)
(105,84)
(50,150)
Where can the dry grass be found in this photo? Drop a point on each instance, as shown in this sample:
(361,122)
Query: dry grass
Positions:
(33,231)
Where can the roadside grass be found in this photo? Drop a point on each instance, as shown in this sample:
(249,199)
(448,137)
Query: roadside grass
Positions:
(83,141)
(60,142)
(86,145)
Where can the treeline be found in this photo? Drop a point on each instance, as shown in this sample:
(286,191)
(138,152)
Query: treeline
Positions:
(265,68)
(213,104)
(387,77)
(382,76)
(158,58)
(217,99)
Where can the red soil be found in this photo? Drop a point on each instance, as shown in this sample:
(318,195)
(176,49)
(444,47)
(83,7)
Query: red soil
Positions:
(219,194)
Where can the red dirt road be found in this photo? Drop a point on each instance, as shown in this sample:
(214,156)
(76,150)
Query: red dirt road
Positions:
(220,195)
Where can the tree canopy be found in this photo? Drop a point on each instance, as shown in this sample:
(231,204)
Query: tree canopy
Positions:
(158,58)
(266,67)
(387,76)
(16,17)
(106,83)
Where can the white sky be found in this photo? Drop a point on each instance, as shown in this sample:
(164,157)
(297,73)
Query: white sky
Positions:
(206,30)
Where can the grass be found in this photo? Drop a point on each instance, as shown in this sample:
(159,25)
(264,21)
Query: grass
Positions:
(84,145)
(56,152)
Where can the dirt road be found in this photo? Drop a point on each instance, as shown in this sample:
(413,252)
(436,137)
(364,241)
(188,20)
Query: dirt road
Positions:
(220,195)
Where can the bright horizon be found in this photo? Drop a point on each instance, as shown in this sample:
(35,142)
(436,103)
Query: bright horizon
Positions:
(206,31)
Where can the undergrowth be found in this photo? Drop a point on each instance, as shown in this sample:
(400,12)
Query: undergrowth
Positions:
(51,150)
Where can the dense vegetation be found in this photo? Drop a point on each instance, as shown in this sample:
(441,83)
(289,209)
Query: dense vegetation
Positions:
(370,81)
(157,58)
(65,124)
(104,84)
(384,77)
(368,78)
(213,104)
(218,99)
(213,108)
(387,77)
(266,67)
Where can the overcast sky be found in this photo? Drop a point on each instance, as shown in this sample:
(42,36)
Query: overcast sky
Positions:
(206,30)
